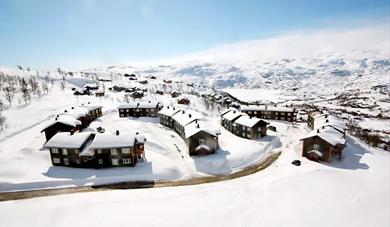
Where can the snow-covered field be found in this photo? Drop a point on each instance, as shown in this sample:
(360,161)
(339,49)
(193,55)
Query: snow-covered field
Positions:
(353,192)
(25,165)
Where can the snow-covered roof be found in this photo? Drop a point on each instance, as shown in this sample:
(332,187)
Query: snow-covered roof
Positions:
(66,140)
(107,140)
(185,117)
(140,105)
(228,110)
(316,114)
(91,85)
(232,115)
(199,125)
(63,119)
(249,121)
(330,121)
(202,146)
(267,108)
(253,108)
(330,135)
(169,111)
(92,107)
(76,112)
(280,109)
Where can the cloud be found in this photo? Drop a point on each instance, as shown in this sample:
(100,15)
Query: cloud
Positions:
(373,40)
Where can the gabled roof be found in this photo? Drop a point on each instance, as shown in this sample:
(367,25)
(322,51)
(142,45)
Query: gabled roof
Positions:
(185,117)
(228,110)
(330,135)
(66,140)
(169,111)
(330,121)
(253,108)
(75,112)
(198,126)
(233,115)
(140,105)
(267,108)
(249,121)
(107,140)
(62,119)
(91,107)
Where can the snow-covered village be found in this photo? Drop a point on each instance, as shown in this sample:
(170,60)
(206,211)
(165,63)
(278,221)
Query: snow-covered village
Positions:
(288,129)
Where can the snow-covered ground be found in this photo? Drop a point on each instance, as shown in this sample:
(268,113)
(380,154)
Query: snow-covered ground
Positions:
(352,192)
(25,165)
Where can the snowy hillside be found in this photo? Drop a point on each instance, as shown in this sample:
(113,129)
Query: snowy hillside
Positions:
(353,84)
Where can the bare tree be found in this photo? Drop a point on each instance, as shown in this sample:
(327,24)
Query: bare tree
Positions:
(9,92)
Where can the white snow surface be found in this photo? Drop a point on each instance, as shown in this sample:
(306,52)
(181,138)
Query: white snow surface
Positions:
(106,140)
(66,140)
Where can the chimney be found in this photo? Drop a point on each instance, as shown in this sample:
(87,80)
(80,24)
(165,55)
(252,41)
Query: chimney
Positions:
(72,108)
(168,107)
(173,108)
(137,133)
(327,121)
(58,115)
(65,111)
(189,115)
(183,111)
(197,125)
(323,127)
(89,102)
(196,121)
(149,101)
(82,104)
(117,132)
(318,130)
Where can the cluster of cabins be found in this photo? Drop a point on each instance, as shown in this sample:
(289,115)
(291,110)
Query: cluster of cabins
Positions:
(200,137)
(270,112)
(86,149)
(72,120)
(327,140)
(243,125)
(70,147)
(140,109)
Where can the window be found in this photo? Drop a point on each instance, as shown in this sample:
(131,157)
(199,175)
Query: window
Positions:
(64,151)
(56,160)
(127,110)
(76,151)
(243,134)
(114,151)
(289,114)
(316,147)
(66,161)
(77,161)
(122,115)
(114,162)
(282,113)
(100,161)
(121,110)
(54,150)
(125,150)
(255,112)
(126,161)
(201,141)
(99,151)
